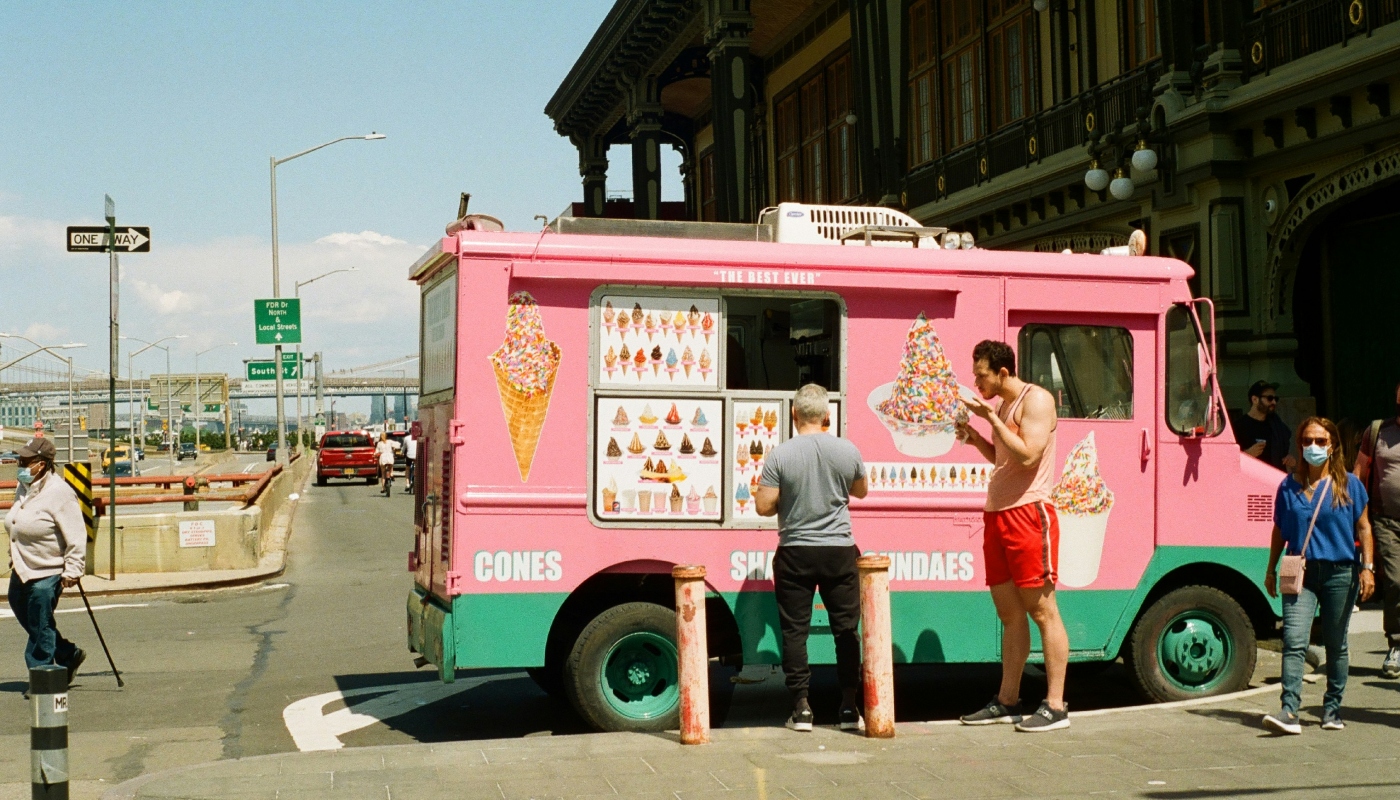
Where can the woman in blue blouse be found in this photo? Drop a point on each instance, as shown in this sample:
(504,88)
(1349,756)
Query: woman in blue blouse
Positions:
(1336,568)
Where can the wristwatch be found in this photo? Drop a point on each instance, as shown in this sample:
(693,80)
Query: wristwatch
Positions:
(1369,567)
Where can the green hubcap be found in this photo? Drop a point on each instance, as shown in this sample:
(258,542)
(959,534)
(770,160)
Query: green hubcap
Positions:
(1195,650)
(640,678)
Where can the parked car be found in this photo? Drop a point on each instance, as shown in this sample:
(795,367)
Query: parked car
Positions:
(187,451)
(346,454)
(122,469)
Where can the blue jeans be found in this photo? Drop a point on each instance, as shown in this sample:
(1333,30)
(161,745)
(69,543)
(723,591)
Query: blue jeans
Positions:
(34,603)
(1329,592)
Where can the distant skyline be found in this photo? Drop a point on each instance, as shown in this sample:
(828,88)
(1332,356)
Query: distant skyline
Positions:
(174,109)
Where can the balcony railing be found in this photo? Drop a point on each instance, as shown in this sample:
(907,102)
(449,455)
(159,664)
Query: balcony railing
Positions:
(1278,36)
(1061,127)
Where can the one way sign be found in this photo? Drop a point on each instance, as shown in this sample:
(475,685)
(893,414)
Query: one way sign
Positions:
(93,239)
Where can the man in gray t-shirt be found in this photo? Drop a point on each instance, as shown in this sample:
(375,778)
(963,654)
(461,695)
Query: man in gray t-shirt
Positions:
(807,483)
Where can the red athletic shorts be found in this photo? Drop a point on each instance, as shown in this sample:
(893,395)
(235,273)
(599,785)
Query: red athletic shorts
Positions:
(1022,544)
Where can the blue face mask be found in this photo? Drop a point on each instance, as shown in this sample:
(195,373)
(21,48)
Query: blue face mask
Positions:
(24,476)
(1316,454)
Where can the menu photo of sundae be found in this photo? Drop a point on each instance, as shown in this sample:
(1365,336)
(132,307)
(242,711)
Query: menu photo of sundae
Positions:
(921,407)
(658,341)
(658,459)
(885,476)
(1082,503)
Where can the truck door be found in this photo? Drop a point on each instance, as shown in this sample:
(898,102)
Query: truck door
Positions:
(1101,369)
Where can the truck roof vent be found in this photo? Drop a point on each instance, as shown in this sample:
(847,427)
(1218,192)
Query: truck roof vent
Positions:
(801,223)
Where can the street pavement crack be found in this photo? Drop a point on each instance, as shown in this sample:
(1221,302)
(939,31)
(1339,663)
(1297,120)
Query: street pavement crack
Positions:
(232,722)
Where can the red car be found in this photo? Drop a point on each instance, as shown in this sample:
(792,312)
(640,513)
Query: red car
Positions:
(346,454)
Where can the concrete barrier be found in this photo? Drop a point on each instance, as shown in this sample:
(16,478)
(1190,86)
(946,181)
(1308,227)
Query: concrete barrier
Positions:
(175,541)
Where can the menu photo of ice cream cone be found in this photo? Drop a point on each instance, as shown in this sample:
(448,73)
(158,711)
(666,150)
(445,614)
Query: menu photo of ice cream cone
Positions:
(921,407)
(526,365)
(656,340)
(1082,502)
(924,477)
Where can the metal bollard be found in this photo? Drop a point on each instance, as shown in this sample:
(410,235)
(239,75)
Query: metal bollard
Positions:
(48,734)
(877,646)
(693,653)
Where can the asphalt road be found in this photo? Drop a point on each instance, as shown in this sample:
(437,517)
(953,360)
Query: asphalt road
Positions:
(210,674)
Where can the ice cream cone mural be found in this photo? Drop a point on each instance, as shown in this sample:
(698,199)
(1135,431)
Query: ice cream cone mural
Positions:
(1082,501)
(526,364)
(921,407)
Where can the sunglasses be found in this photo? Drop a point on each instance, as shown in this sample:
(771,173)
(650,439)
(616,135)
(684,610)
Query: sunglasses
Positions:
(1272,398)
(1307,440)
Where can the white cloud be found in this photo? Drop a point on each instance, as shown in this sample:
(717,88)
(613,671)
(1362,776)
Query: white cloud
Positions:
(164,302)
(44,333)
(361,238)
(29,235)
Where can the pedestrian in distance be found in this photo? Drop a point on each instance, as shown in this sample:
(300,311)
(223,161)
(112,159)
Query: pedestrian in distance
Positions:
(1021,538)
(808,482)
(1378,467)
(1320,515)
(1259,430)
(48,552)
(410,453)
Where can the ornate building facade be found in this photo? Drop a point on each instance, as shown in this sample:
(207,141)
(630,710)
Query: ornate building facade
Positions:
(1270,163)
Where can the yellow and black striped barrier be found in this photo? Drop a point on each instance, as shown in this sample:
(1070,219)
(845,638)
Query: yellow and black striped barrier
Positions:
(79,476)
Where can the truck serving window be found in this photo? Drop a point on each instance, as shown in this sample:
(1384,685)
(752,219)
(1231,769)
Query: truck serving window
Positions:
(778,344)
(1189,407)
(1088,368)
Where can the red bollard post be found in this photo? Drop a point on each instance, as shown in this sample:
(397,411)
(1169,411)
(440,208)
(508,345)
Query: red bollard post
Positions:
(693,655)
(877,646)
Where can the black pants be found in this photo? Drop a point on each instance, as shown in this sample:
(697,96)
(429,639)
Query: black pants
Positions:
(1386,531)
(798,572)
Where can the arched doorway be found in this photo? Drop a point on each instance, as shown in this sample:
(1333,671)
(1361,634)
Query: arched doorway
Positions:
(1346,308)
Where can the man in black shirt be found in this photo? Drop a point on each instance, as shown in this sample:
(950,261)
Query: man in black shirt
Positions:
(1260,432)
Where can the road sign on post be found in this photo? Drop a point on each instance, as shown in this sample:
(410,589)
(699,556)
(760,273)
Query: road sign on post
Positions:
(261,370)
(93,239)
(278,321)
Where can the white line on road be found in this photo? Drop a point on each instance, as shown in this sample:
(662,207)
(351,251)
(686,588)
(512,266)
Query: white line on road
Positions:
(7,614)
(312,730)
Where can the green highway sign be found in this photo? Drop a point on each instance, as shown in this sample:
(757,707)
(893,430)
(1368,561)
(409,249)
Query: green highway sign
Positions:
(278,321)
(263,371)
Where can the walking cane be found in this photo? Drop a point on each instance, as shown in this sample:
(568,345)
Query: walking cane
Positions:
(105,651)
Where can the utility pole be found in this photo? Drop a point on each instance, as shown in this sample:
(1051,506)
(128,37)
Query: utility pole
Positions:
(114,277)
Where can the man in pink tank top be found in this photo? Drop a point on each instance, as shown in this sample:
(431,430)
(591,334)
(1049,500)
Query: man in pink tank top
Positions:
(1021,538)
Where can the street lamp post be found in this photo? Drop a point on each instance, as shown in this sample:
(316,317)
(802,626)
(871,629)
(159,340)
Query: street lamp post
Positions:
(170,412)
(297,292)
(273,161)
(50,351)
(198,402)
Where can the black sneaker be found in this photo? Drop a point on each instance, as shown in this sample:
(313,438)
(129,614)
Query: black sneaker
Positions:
(79,656)
(994,713)
(1044,719)
(801,720)
(1283,722)
(851,720)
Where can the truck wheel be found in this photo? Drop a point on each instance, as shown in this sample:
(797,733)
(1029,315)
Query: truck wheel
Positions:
(622,674)
(1193,642)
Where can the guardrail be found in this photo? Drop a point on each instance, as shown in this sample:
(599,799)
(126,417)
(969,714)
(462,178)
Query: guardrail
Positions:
(248,496)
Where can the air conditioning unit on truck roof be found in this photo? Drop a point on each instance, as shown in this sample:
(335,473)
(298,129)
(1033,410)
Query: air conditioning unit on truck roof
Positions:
(872,226)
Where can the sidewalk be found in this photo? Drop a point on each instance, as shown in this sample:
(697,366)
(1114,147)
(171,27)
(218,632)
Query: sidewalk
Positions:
(1205,750)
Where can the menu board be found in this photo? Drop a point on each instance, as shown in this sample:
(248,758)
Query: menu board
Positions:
(658,459)
(833,409)
(756,431)
(670,342)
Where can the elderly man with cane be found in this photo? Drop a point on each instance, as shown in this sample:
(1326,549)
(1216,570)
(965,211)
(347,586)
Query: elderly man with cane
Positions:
(48,549)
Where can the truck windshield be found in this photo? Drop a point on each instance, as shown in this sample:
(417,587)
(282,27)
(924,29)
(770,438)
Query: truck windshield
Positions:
(1191,407)
(347,440)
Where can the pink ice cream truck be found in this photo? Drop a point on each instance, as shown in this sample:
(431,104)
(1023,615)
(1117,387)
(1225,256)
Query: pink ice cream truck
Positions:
(598,398)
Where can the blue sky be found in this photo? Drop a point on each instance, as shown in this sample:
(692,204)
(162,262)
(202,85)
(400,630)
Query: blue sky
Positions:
(174,108)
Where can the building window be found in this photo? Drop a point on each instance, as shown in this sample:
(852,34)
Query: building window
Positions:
(923,74)
(1009,35)
(962,58)
(707,186)
(1140,36)
(816,147)
(787,144)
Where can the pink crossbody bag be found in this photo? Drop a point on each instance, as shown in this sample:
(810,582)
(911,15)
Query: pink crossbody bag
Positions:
(1290,568)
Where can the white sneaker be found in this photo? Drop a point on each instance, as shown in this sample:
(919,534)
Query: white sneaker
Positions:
(1283,722)
(1390,668)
